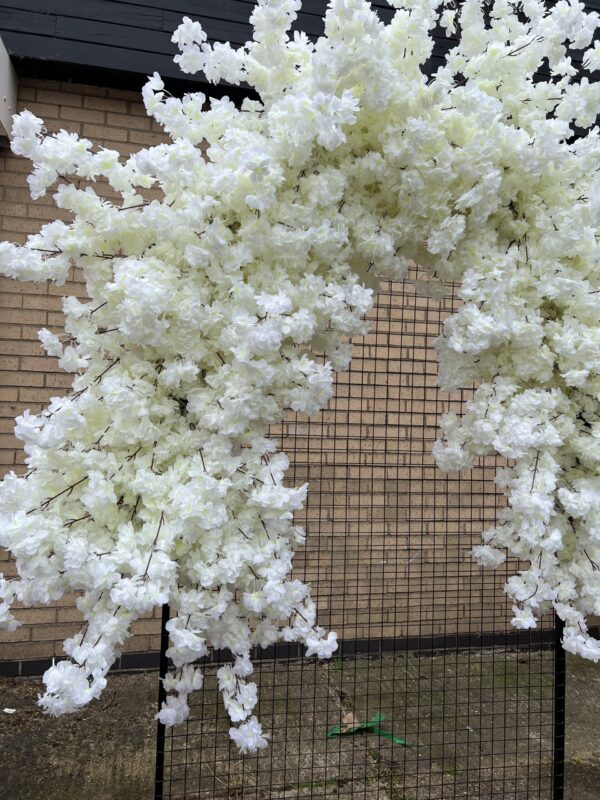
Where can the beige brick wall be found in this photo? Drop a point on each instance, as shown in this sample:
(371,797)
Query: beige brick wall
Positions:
(388,535)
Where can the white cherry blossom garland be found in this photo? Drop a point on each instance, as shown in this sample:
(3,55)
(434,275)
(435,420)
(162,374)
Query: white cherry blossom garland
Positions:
(154,480)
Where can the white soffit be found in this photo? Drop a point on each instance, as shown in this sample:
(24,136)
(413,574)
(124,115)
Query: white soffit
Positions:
(8,92)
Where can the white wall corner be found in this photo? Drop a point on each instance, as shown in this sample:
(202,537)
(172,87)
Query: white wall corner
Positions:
(8,93)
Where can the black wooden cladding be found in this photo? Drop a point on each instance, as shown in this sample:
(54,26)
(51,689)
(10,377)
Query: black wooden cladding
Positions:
(120,42)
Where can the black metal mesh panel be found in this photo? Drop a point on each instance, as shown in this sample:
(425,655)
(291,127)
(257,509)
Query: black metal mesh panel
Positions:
(424,633)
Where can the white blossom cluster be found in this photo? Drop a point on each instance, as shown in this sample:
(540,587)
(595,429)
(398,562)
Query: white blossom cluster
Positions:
(210,309)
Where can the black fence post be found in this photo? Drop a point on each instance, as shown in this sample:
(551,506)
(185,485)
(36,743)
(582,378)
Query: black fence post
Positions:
(160,728)
(560,681)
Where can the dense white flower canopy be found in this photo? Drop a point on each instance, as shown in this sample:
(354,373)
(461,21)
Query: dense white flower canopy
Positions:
(154,480)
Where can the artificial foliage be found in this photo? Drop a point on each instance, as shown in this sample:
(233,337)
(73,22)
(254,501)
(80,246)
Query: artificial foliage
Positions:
(231,298)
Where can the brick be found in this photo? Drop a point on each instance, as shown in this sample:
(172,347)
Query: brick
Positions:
(21,378)
(20,348)
(21,165)
(39,302)
(136,644)
(82,115)
(146,138)
(106,104)
(54,633)
(65,601)
(10,331)
(13,651)
(8,393)
(28,317)
(13,209)
(104,132)
(30,332)
(36,616)
(26,92)
(9,301)
(42,110)
(18,225)
(68,614)
(128,121)
(9,363)
(143,626)
(7,414)
(22,634)
(20,194)
(137,109)
(44,214)
(61,98)
(9,442)
(124,94)
(42,364)
(17,238)
(28,395)
(59,380)
(8,569)
(82,88)
(12,286)
(68,288)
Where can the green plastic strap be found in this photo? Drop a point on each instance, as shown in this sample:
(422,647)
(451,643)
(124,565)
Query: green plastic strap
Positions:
(368,727)
(391,737)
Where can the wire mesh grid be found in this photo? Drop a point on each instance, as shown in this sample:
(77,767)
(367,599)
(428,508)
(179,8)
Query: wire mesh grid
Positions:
(425,639)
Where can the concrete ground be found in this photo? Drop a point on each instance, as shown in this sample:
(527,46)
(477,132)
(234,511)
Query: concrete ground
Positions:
(476,723)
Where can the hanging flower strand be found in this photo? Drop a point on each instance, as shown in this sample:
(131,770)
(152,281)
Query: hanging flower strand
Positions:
(154,480)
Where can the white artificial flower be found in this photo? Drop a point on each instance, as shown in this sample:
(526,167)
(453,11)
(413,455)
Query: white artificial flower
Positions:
(7,595)
(322,647)
(189,32)
(174,710)
(487,556)
(249,736)
(233,296)
(523,618)
(50,342)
